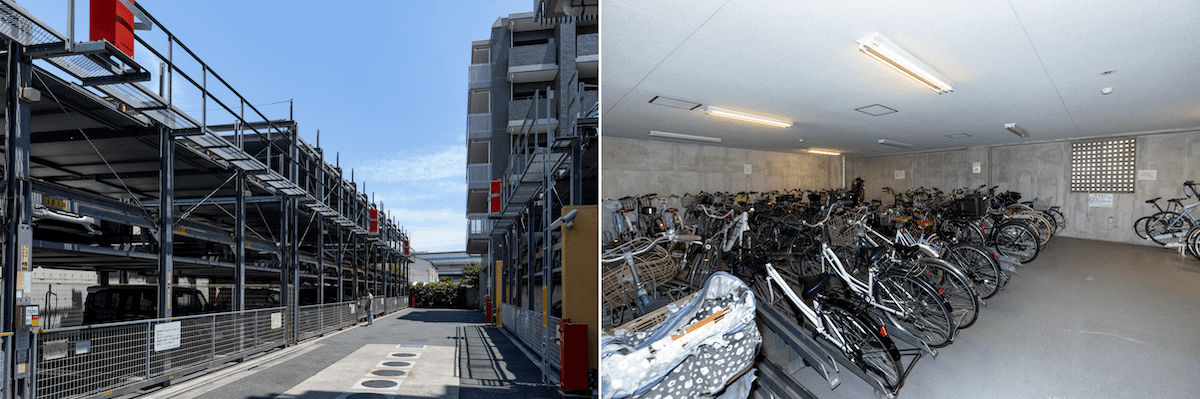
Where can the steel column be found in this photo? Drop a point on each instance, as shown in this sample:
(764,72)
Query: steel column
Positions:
(18,242)
(166,221)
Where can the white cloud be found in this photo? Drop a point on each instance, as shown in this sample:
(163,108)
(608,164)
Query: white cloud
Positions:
(433,164)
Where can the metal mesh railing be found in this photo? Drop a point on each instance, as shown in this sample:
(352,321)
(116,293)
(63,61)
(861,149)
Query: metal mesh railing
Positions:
(83,361)
(88,360)
(18,25)
(526,325)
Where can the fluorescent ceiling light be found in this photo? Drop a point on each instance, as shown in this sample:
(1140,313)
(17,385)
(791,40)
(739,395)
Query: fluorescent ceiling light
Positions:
(1016,129)
(881,48)
(824,152)
(894,143)
(746,117)
(682,136)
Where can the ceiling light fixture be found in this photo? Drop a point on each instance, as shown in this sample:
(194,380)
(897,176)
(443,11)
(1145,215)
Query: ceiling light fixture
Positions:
(682,136)
(881,48)
(1016,129)
(894,143)
(824,152)
(747,117)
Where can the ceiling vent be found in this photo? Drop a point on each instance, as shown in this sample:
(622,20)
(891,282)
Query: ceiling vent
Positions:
(673,103)
(876,110)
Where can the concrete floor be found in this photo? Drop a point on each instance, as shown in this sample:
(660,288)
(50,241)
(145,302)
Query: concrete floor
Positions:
(1087,319)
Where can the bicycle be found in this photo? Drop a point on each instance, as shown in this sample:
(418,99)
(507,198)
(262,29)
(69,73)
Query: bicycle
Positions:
(908,302)
(1172,227)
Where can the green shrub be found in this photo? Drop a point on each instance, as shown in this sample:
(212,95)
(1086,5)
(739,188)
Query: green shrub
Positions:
(440,295)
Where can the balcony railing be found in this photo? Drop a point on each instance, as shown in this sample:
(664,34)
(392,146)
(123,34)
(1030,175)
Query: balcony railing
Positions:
(479,126)
(537,54)
(479,173)
(478,225)
(480,76)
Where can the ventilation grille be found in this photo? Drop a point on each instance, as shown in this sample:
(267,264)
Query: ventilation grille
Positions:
(1103,166)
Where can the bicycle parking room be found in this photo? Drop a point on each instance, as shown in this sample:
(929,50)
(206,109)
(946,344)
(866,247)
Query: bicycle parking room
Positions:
(987,199)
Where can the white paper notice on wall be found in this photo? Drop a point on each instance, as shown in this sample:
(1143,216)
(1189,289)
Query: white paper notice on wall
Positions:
(976,168)
(1100,200)
(276,320)
(899,174)
(1149,174)
(166,336)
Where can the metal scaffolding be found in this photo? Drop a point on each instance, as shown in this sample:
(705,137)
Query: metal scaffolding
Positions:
(106,175)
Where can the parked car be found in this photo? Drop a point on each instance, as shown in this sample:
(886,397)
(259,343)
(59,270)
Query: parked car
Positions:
(107,304)
(256,298)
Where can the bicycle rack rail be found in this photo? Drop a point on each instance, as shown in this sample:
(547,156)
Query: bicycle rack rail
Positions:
(778,382)
(804,344)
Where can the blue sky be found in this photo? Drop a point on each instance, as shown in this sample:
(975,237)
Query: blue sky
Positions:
(384,81)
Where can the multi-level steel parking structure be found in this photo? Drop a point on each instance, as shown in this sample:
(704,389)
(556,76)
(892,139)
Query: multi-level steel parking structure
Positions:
(106,173)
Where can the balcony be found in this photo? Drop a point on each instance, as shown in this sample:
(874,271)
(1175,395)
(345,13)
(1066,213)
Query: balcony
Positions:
(480,76)
(518,110)
(479,175)
(479,126)
(479,228)
(533,63)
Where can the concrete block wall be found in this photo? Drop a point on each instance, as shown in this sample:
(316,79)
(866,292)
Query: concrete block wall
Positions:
(634,167)
(1044,171)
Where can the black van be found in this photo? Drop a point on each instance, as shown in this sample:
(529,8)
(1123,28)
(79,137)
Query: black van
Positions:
(107,304)
(256,298)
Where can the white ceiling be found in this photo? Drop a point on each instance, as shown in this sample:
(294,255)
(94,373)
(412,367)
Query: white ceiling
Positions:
(1034,62)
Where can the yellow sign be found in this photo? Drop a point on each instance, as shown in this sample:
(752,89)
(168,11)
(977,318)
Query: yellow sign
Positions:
(180,230)
(54,203)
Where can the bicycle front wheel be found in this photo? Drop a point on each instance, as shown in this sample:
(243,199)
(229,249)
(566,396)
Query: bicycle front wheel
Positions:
(1193,241)
(1017,240)
(1168,227)
(916,307)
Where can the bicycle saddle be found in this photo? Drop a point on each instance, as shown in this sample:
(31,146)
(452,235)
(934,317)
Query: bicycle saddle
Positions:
(924,224)
(811,285)
(902,219)
(1151,201)
(1177,201)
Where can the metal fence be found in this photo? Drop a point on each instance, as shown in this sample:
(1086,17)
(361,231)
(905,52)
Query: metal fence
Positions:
(96,359)
(526,325)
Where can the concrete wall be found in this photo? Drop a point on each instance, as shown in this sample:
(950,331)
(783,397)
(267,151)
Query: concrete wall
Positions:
(1043,171)
(637,167)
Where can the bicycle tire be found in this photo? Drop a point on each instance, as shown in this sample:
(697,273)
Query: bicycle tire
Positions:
(1040,224)
(1194,242)
(1139,227)
(1060,220)
(926,314)
(1017,240)
(963,231)
(979,266)
(867,346)
(954,285)
(1168,228)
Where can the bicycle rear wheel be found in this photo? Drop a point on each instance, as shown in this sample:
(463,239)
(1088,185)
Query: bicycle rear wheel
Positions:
(867,346)
(1060,220)
(979,266)
(1017,240)
(954,285)
(923,312)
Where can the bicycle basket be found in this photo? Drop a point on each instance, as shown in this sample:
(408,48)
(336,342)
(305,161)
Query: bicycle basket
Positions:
(971,206)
